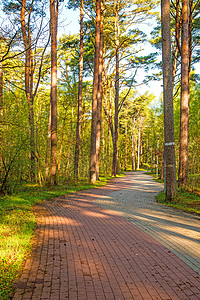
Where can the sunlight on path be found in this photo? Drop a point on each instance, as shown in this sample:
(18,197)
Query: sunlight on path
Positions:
(176,230)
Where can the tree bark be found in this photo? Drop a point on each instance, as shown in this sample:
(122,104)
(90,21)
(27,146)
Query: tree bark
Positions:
(191,4)
(80,84)
(53,99)
(138,157)
(116,133)
(93,177)
(99,96)
(125,160)
(1,84)
(133,148)
(1,108)
(184,107)
(177,47)
(26,34)
(48,149)
(170,164)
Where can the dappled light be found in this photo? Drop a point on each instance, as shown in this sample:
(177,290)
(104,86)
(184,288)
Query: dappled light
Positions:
(96,215)
(110,244)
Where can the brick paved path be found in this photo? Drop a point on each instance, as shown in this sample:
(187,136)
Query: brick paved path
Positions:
(175,229)
(85,252)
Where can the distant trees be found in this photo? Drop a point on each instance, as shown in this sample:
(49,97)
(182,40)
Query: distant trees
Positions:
(72,110)
(30,57)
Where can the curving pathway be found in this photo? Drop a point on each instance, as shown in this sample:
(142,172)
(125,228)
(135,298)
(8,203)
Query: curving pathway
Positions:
(175,229)
(114,243)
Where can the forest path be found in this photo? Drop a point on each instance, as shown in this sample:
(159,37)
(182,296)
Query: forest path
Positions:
(177,230)
(112,243)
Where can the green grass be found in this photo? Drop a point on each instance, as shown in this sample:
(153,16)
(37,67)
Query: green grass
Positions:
(17,226)
(186,200)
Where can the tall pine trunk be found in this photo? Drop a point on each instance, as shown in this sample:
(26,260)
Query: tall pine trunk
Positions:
(125,159)
(1,85)
(170,163)
(139,141)
(80,84)
(115,168)
(93,174)
(99,96)
(184,107)
(53,99)
(177,43)
(1,108)
(26,34)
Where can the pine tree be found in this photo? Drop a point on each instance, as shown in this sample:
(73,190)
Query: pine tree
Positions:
(169,149)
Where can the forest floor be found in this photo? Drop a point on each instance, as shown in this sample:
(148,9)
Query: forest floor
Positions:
(113,242)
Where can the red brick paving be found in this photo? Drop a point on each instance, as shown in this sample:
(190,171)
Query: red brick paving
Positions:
(85,252)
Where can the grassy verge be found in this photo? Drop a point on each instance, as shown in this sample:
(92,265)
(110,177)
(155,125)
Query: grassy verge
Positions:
(17,225)
(185,200)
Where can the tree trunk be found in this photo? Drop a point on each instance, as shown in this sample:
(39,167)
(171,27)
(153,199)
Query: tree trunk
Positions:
(184,109)
(191,4)
(162,169)
(134,157)
(48,149)
(170,163)
(147,154)
(93,177)
(108,152)
(1,85)
(53,99)
(177,47)
(1,109)
(28,83)
(138,162)
(132,154)
(125,160)
(151,154)
(115,148)
(99,95)
(80,84)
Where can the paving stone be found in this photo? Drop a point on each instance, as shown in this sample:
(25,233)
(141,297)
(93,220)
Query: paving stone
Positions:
(113,242)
